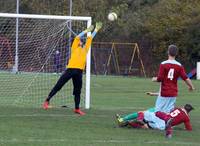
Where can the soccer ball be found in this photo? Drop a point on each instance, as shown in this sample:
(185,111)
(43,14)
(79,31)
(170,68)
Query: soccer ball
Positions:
(112,16)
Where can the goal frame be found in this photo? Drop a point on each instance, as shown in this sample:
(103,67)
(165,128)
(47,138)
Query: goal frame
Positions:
(58,17)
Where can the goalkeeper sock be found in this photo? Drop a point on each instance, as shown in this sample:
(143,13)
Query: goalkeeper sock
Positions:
(77,100)
(130,117)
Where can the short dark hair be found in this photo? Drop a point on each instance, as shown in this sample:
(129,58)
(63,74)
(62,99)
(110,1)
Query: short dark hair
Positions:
(188,107)
(172,50)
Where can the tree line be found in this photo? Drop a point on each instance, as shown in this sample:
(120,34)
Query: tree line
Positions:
(153,24)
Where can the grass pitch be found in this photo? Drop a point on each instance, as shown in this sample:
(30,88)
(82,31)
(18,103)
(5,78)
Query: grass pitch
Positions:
(30,126)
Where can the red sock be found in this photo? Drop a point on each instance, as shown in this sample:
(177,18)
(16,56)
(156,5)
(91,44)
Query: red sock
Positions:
(140,116)
(135,125)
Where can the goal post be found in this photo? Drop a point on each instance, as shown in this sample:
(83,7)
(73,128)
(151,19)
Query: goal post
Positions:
(198,71)
(39,38)
(88,71)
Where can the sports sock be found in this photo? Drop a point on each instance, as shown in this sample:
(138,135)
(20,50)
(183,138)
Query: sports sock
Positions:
(77,101)
(133,116)
(130,117)
(140,116)
(135,125)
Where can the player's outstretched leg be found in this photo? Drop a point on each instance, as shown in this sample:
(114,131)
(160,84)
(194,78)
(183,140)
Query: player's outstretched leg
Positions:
(60,83)
(140,118)
(134,124)
(120,121)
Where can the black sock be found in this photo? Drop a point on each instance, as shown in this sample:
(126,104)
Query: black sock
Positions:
(47,99)
(77,101)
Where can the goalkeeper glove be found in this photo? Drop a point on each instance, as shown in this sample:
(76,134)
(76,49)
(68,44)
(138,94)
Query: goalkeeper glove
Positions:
(98,26)
(89,29)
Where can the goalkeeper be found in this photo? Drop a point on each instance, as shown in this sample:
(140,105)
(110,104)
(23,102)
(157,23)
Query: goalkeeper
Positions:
(75,67)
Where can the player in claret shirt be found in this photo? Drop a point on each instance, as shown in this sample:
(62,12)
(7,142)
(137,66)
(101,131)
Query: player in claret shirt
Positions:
(161,120)
(176,117)
(169,72)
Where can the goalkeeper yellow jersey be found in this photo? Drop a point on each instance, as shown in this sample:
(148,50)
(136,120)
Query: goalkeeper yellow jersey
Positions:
(79,54)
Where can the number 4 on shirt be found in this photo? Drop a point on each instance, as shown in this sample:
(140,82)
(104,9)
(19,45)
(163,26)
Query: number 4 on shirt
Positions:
(171,74)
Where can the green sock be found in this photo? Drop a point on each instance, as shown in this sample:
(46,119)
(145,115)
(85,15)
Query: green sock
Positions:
(135,115)
(151,109)
(130,117)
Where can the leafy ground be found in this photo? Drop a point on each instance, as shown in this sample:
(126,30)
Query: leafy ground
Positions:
(29,126)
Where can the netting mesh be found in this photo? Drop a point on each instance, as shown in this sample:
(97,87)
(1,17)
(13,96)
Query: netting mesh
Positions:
(43,52)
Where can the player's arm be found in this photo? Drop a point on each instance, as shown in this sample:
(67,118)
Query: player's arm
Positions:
(186,79)
(154,79)
(160,76)
(189,84)
(77,39)
(188,126)
(89,29)
(89,38)
(152,93)
(88,43)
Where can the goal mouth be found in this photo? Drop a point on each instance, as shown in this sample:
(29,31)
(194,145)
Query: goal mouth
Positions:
(34,51)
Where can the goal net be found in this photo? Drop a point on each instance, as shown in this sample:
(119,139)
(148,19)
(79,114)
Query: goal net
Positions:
(34,50)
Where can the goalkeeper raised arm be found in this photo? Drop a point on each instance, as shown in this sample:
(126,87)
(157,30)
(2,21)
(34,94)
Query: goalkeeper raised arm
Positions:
(75,67)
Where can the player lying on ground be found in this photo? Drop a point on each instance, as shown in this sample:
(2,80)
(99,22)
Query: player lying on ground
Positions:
(160,120)
(123,120)
(75,67)
(176,117)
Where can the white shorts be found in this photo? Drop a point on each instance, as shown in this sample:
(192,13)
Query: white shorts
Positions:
(153,121)
(165,104)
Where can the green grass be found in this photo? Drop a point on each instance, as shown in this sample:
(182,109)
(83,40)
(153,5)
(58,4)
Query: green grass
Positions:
(30,126)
